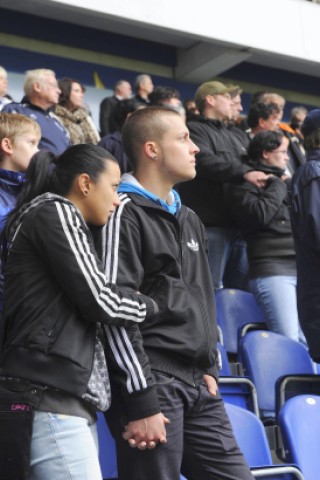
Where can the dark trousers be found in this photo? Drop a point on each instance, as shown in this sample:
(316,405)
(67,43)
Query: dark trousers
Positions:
(201,444)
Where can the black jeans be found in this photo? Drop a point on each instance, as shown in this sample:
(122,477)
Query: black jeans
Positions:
(200,443)
(17,403)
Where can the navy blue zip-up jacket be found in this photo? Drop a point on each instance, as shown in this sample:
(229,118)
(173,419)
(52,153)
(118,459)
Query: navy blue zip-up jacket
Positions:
(305,217)
(10,187)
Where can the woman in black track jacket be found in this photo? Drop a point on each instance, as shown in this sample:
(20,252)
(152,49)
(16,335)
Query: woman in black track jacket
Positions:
(56,299)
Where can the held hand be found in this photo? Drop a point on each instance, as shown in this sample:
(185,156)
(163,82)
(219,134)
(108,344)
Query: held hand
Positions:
(211,384)
(259,179)
(146,432)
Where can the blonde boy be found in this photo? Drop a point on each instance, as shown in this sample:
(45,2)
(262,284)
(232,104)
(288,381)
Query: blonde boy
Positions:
(19,138)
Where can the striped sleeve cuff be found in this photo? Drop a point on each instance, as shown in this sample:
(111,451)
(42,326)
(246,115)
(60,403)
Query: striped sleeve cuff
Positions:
(142,404)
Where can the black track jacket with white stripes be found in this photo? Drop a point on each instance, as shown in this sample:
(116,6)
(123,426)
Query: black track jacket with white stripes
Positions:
(164,256)
(55,293)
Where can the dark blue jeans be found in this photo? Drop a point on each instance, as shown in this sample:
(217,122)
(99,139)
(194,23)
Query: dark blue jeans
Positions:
(200,443)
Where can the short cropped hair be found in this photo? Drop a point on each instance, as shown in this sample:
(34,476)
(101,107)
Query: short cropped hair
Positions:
(118,84)
(33,76)
(146,124)
(140,79)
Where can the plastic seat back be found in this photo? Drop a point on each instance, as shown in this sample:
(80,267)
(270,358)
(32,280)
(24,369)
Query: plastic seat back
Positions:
(107,450)
(235,308)
(250,435)
(299,423)
(266,356)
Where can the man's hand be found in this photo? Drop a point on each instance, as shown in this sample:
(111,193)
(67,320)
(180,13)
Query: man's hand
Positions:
(211,384)
(146,432)
(259,179)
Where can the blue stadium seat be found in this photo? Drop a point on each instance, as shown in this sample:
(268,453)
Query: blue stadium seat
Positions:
(299,423)
(234,309)
(266,356)
(252,440)
(107,450)
(238,390)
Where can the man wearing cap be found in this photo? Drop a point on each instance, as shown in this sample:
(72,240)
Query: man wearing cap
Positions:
(305,217)
(221,161)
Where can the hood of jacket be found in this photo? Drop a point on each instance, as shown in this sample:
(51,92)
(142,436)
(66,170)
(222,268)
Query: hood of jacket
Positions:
(28,207)
(129,184)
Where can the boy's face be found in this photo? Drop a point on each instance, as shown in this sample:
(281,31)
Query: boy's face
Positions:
(177,152)
(22,150)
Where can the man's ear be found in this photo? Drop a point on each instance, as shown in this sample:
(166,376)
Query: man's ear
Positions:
(36,87)
(84,184)
(210,100)
(151,150)
(6,146)
(262,123)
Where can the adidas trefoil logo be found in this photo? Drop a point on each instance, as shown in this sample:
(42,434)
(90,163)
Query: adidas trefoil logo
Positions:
(193,245)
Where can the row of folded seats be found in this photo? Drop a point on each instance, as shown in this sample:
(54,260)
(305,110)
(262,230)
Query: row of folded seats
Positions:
(271,389)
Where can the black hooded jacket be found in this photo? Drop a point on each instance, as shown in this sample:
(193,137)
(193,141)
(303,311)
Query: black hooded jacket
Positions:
(221,160)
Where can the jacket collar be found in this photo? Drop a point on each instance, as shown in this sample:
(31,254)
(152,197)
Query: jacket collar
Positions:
(129,184)
(313,155)
(36,202)
(203,119)
(12,178)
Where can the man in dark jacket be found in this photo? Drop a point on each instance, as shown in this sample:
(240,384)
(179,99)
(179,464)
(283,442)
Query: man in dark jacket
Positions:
(122,91)
(220,161)
(157,245)
(306,232)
